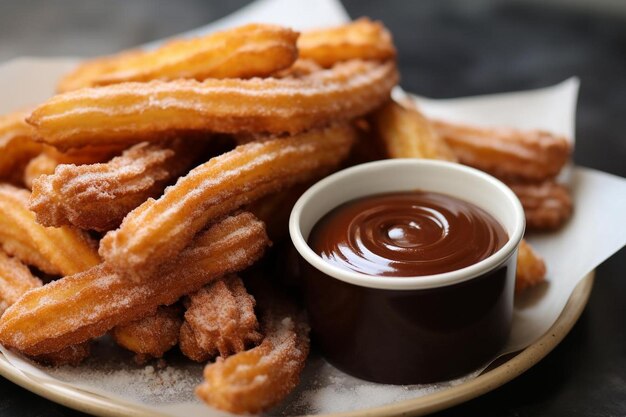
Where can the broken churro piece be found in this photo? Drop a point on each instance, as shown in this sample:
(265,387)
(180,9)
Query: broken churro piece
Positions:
(151,336)
(259,378)
(531,269)
(221,319)
(15,280)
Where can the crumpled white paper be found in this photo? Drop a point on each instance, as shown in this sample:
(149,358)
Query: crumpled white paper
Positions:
(596,231)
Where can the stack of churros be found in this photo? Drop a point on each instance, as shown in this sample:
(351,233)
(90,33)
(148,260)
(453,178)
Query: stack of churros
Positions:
(127,199)
(527,161)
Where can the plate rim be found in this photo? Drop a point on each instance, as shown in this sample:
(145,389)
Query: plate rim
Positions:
(488,381)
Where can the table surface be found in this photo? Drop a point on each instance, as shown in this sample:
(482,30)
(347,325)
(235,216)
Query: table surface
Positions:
(446,49)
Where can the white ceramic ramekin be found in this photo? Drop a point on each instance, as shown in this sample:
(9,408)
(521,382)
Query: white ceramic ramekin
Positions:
(409,329)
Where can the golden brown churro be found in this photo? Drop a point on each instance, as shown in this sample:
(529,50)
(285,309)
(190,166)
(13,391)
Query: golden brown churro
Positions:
(159,229)
(220,317)
(15,280)
(259,378)
(98,196)
(255,50)
(360,39)
(46,162)
(57,251)
(132,112)
(151,336)
(531,269)
(17,146)
(547,205)
(72,355)
(511,154)
(86,305)
(406,133)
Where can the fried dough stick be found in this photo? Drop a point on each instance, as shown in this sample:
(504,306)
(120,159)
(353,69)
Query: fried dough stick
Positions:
(259,378)
(87,305)
(99,196)
(547,205)
(531,269)
(57,251)
(151,336)
(360,39)
(17,145)
(72,355)
(509,154)
(219,320)
(406,133)
(46,162)
(254,50)
(15,280)
(159,229)
(133,112)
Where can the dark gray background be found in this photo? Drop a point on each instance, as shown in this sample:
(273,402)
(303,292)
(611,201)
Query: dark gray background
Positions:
(447,49)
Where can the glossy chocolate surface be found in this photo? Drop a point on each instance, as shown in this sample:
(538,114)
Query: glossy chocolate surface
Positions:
(410,336)
(406,234)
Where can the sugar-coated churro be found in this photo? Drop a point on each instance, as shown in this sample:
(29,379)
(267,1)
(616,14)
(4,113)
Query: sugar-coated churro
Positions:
(15,280)
(221,319)
(254,50)
(531,269)
(360,39)
(407,133)
(259,378)
(132,112)
(511,154)
(159,229)
(17,146)
(57,251)
(547,205)
(151,336)
(98,196)
(46,162)
(71,355)
(86,305)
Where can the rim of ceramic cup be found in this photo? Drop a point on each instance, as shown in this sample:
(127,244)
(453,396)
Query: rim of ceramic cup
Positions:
(346,176)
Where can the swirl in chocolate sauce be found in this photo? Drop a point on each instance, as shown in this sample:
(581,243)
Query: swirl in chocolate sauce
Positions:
(406,234)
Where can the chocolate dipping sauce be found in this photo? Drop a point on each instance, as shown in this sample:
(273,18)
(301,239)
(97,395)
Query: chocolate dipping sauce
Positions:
(406,234)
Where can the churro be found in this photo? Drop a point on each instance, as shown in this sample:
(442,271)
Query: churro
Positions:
(71,355)
(406,133)
(360,39)
(547,205)
(98,196)
(46,162)
(259,378)
(17,146)
(531,269)
(220,317)
(159,229)
(132,112)
(254,50)
(86,305)
(15,280)
(151,336)
(511,154)
(57,251)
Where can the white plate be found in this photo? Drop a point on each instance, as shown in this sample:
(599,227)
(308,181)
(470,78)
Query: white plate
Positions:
(487,381)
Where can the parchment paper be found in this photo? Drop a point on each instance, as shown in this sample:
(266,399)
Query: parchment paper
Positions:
(596,231)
